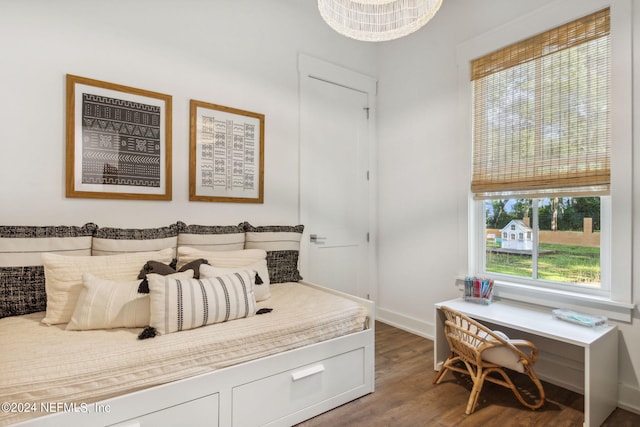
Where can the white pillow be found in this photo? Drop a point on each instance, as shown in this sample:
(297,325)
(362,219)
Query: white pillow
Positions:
(503,356)
(221,258)
(178,305)
(262,291)
(63,277)
(107,304)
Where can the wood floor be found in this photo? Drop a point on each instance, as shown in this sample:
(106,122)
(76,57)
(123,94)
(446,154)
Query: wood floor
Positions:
(405,396)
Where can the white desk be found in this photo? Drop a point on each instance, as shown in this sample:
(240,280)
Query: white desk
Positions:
(600,347)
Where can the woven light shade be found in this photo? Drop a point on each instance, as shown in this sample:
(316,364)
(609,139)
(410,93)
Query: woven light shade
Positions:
(377,20)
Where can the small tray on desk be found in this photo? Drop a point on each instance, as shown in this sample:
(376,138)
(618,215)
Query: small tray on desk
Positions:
(579,318)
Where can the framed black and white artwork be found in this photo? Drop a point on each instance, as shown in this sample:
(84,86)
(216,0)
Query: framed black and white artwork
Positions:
(226,154)
(118,141)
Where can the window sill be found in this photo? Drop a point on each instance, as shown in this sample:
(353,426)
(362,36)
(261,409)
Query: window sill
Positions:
(552,298)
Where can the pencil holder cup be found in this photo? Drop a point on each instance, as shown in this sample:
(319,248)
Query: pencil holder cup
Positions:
(478,290)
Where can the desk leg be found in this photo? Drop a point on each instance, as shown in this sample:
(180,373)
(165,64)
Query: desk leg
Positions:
(600,379)
(440,345)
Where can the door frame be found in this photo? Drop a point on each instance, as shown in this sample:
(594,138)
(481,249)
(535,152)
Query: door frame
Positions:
(310,67)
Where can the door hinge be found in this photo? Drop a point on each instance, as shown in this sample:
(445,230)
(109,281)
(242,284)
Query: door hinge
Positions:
(366,109)
(367,236)
(368,176)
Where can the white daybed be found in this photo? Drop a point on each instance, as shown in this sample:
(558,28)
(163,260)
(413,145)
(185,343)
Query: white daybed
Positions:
(312,353)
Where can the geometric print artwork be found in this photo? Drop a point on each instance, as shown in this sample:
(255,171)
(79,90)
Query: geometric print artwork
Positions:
(226,148)
(120,142)
(228,154)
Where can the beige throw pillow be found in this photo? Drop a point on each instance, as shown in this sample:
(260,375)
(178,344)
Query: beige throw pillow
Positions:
(221,258)
(262,290)
(107,304)
(63,277)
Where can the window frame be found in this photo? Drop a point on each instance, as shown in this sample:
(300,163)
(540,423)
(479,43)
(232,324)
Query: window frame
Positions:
(617,260)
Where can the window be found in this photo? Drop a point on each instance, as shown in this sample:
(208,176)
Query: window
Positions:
(616,199)
(541,155)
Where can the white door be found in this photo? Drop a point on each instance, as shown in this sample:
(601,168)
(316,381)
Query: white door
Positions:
(334,182)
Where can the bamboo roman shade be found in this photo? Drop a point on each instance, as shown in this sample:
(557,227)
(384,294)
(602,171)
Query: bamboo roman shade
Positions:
(541,113)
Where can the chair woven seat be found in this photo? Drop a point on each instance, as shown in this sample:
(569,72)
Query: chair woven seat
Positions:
(483,351)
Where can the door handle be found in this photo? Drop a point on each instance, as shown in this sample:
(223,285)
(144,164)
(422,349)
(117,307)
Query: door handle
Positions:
(314,238)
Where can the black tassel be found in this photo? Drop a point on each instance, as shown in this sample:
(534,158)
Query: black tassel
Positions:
(258,279)
(143,288)
(147,332)
(264,311)
(145,270)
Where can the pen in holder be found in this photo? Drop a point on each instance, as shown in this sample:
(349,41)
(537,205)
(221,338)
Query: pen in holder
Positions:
(478,290)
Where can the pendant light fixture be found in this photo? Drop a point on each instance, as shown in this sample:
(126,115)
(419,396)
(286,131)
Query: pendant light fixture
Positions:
(377,20)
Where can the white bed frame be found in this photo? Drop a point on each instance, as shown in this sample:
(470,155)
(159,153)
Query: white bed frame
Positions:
(278,390)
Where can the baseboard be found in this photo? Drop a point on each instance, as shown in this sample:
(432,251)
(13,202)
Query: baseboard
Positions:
(629,398)
(406,323)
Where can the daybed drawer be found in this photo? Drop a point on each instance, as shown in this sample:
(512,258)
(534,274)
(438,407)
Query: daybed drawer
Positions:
(271,398)
(198,412)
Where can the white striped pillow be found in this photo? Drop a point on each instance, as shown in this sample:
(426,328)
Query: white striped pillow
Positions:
(226,259)
(107,304)
(181,304)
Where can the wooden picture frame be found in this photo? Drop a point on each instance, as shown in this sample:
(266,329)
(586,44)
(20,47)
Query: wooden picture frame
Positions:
(226,154)
(118,141)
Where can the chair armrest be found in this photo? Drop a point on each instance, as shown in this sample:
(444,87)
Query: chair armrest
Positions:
(533,350)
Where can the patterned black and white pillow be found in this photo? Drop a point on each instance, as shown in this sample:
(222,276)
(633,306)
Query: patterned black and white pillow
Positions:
(211,237)
(182,304)
(22,281)
(113,241)
(282,243)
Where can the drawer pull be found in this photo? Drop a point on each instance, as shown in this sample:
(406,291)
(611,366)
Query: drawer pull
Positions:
(307,372)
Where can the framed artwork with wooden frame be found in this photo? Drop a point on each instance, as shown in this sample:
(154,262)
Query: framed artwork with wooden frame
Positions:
(226,154)
(118,141)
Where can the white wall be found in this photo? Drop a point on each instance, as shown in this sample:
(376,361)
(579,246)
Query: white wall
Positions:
(237,53)
(423,182)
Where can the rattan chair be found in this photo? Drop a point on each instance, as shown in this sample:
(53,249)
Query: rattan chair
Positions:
(483,352)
